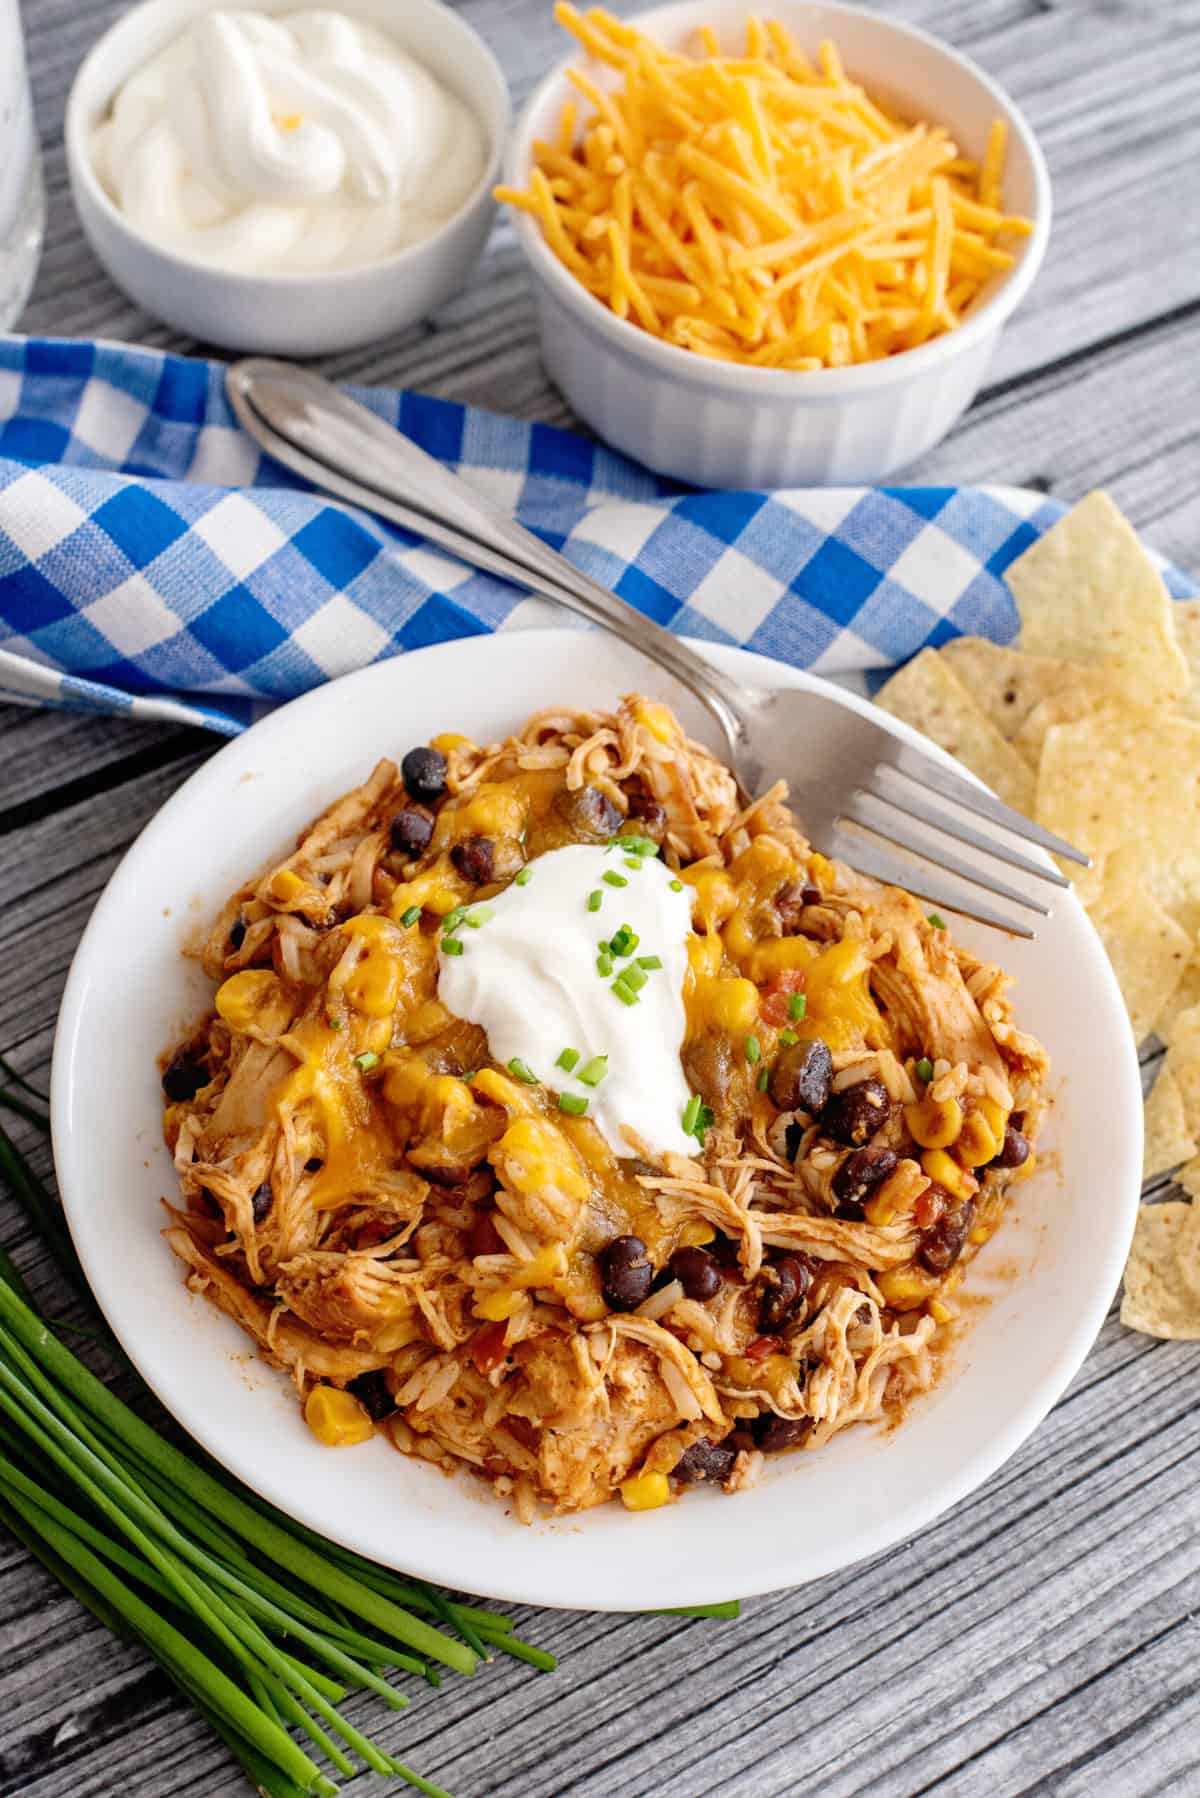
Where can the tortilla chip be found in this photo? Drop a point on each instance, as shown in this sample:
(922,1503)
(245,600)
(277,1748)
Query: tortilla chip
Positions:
(1167,867)
(1120,775)
(1149,954)
(1088,592)
(1158,1300)
(1168,1141)
(1183,1062)
(928,695)
(1186,994)
(1024,695)
(1186,613)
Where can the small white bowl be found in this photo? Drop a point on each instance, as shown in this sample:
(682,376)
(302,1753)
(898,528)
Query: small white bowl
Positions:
(718,424)
(289,314)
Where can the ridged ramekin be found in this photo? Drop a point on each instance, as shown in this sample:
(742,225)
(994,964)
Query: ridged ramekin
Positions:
(718,424)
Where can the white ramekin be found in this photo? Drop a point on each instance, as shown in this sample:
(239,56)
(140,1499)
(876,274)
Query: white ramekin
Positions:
(721,425)
(288,314)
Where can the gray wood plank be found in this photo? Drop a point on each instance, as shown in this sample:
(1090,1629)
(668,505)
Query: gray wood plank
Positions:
(1042,1637)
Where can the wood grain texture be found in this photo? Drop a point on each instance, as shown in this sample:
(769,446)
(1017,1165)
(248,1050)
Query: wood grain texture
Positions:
(1042,1638)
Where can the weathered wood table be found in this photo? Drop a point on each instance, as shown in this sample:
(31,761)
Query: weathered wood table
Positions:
(1042,1637)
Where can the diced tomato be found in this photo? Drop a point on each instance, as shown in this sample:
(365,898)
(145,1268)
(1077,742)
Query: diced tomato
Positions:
(929,1207)
(761,1347)
(774,1007)
(487,1347)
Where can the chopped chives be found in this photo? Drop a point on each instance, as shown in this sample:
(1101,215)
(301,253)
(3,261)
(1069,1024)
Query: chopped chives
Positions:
(521,1070)
(480,915)
(753,1050)
(594,1072)
(573,1103)
(625,941)
(787,1038)
(604,964)
(797,1006)
(595,899)
(924,1069)
(334,1023)
(703,1121)
(523,878)
(567,1060)
(637,845)
(454,918)
(649,961)
(631,861)
(691,1114)
(937,920)
(764,1079)
(625,993)
(411,916)
(365,1062)
(614,879)
(634,977)
(451,945)
(676,886)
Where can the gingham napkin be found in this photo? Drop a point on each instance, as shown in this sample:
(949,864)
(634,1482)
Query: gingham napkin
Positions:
(154,563)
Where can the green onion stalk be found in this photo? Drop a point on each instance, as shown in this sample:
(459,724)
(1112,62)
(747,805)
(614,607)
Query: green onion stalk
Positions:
(261,1623)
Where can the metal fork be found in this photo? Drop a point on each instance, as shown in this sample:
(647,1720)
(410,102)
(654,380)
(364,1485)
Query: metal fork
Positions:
(860,790)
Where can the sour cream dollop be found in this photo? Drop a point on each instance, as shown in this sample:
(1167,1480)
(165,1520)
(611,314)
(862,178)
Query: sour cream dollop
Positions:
(287,145)
(528,975)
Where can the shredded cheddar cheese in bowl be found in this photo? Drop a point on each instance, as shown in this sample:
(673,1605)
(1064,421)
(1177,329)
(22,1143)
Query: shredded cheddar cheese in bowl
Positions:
(573,1123)
(755,208)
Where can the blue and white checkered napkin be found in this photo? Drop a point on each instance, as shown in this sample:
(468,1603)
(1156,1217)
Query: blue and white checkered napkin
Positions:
(154,563)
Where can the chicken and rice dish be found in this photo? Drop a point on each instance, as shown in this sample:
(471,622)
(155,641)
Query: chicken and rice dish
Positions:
(567,1120)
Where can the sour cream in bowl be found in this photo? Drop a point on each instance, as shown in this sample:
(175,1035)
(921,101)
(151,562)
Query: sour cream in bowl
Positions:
(283,180)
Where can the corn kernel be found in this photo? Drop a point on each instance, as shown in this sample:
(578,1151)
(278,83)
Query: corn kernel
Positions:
(254,999)
(450,739)
(516,1098)
(286,887)
(981,1233)
(904,1288)
(934,1123)
(944,1172)
(535,1156)
(734,1005)
(880,1210)
(657,720)
(694,1235)
(940,1313)
(976,1144)
(497,1306)
(548,1265)
(995,1116)
(336,1418)
(645,1492)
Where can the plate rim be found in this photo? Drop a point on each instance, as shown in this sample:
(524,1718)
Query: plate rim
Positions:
(893,1528)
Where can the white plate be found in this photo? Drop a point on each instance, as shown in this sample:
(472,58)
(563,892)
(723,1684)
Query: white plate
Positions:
(1053,1268)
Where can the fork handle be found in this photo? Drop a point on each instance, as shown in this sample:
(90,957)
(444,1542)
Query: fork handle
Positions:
(306,423)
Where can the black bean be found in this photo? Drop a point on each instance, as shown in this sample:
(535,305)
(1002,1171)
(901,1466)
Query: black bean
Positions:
(371,1391)
(783,1293)
(1014,1151)
(590,812)
(313,1165)
(649,815)
(773,1433)
(705,1460)
(858,1176)
(424,773)
(184,1077)
(724,1250)
(857,1113)
(263,1199)
(625,1274)
(793,1136)
(942,1245)
(411,830)
(237,933)
(473,857)
(801,1076)
(698,1272)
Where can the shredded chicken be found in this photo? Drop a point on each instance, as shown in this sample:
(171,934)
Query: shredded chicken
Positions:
(367,1194)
